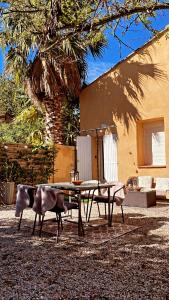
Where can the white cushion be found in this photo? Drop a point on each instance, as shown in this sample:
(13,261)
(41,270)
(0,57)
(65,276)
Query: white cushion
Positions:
(162,184)
(145,181)
(161,194)
(94,182)
(146,189)
(90,182)
(117,185)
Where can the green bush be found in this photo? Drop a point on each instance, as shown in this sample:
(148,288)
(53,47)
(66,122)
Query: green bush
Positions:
(32,165)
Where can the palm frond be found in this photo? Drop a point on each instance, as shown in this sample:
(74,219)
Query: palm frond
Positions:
(97,48)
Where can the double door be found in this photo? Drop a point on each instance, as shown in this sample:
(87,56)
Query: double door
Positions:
(107,163)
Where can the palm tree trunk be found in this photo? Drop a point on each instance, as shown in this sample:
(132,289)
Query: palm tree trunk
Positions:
(53,112)
(53,117)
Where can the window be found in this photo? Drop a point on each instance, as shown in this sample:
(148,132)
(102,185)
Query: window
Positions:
(151,143)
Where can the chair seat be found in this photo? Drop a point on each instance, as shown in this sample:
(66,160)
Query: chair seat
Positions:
(117,195)
(105,199)
(71,205)
(56,209)
(102,198)
(86,195)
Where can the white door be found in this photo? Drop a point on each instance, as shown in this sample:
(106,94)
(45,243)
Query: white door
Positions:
(110,157)
(84,157)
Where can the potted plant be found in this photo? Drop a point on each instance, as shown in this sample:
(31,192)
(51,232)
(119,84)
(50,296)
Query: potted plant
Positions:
(9,174)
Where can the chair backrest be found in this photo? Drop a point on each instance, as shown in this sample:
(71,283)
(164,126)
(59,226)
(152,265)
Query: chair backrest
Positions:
(145,181)
(46,198)
(117,185)
(31,193)
(24,198)
(93,181)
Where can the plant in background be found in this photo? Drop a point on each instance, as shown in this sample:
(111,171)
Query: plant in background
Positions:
(24,124)
(32,165)
(27,124)
(71,121)
(11,171)
(13,98)
(27,127)
(39,163)
(34,122)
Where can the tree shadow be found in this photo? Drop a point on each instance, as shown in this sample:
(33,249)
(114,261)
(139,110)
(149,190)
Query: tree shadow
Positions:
(145,224)
(123,89)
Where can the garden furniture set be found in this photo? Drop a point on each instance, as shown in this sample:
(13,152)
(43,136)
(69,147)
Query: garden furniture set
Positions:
(51,197)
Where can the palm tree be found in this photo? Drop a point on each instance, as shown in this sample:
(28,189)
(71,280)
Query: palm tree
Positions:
(54,76)
(50,39)
(53,81)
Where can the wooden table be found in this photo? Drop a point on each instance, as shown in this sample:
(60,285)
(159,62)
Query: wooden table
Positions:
(77,189)
(140,199)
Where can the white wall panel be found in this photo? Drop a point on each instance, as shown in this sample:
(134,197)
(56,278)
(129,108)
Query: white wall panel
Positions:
(110,157)
(158,148)
(84,157)
(154,144)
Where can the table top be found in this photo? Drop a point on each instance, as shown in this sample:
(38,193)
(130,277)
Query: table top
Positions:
(72,187)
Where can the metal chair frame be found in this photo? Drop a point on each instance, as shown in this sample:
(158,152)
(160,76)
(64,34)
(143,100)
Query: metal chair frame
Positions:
(58,212)
(105,201)
(30,206)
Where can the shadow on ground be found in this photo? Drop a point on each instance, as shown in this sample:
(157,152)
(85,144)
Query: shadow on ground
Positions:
(134,265)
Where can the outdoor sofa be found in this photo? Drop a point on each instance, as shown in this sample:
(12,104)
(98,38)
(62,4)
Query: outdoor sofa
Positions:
(159,184)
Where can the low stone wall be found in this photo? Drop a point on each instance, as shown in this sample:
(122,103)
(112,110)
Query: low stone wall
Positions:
(25,164)
(36,163)
(21,164)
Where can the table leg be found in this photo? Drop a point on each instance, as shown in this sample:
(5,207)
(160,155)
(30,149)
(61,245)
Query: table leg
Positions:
(109,213)
(70,200)
(80,224)
(40,219)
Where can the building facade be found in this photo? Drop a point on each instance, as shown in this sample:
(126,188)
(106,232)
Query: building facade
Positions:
(133,97)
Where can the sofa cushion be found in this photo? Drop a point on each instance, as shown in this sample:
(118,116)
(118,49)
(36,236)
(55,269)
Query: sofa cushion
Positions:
(161,194)
(145,181)
(162,184)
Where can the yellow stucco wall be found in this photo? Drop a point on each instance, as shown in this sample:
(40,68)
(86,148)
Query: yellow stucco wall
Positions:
(136,89)
(64,163)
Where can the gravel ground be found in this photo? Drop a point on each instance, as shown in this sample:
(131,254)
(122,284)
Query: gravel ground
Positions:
(132,265)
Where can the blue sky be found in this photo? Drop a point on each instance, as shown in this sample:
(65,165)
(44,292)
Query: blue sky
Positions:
(135,38)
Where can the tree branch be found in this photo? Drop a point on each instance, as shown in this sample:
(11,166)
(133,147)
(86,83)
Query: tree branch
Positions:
(28,11)
(107,19)
(124,13)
